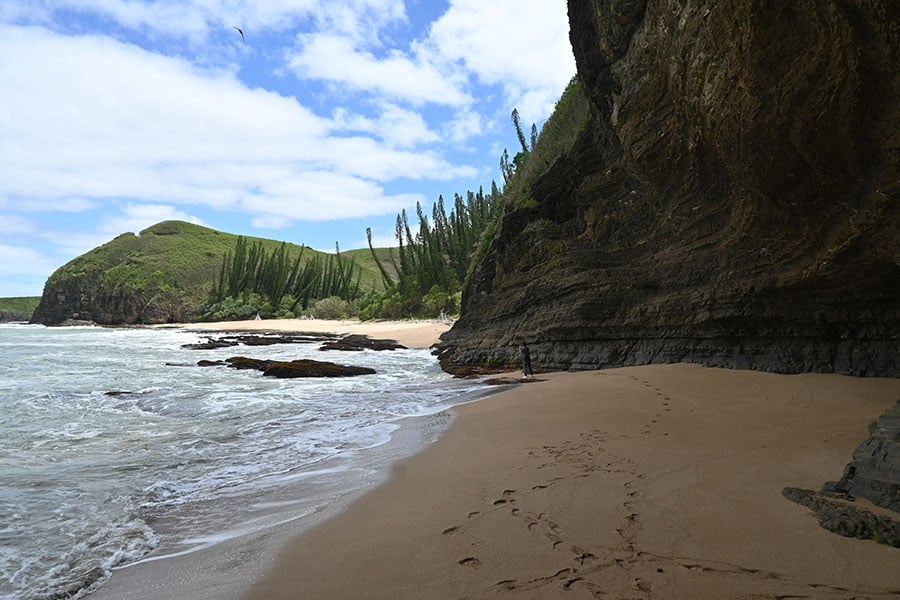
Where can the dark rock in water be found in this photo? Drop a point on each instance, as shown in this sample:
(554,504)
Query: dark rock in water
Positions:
(211,363)
(242,362)
(732,199)
(210,344)
(297,368)
(259,340)
(847,520)
(314,368)
(116,393)
(351,343)
(282,338)
(874,472)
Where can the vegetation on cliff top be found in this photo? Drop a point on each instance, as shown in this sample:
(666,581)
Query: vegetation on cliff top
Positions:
(166,272)
(17,309)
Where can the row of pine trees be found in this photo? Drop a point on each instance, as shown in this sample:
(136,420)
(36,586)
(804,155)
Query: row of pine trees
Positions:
(440,252)
(271,280)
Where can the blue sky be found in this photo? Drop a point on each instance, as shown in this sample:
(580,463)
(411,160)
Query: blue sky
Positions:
(327,118)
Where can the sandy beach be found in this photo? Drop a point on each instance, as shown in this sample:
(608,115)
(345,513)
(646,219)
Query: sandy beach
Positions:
(413,334)
(658,481)
(644,482)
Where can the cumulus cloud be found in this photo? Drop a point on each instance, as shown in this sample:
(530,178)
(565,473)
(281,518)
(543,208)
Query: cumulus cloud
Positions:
(18,260)
(97,119)
(524,49)
(395,75)
(196,20)
(311,197)
(137,217)
(398,127)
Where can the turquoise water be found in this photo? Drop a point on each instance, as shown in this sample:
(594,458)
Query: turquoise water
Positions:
(114,446)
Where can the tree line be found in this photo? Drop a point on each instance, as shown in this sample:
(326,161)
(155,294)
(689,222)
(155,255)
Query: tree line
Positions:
(253,279)
(432,259)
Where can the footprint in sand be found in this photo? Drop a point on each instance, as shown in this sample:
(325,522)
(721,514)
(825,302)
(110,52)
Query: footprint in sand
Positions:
(450,531)
(507,497)
(470,561)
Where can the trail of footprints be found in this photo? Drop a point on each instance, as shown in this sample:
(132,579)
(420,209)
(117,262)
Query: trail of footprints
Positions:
(590,458)
(666,402)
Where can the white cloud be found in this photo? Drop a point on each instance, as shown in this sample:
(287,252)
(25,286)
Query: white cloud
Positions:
(397,76)
(398,127)
(137,217)
(196,20)
(93,119)
(465,125)
(17,260)
(522,47)
(321,196)
(13,224)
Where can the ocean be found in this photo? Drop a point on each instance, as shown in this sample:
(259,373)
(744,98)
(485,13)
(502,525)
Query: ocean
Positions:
(115,447)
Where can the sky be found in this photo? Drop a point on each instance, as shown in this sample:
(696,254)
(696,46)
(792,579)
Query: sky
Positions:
(324,118)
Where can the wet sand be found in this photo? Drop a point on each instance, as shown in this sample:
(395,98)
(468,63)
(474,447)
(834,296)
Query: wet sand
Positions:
(644,482)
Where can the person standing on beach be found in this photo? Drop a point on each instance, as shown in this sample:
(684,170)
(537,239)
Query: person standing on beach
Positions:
(526,360)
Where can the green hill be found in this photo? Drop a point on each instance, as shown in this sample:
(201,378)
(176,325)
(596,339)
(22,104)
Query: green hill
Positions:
(164,274)
(17,309)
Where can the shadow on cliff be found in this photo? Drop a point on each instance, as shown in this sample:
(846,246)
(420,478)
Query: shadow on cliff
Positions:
(732,199)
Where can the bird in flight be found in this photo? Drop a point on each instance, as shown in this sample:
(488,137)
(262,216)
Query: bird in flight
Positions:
(239,31)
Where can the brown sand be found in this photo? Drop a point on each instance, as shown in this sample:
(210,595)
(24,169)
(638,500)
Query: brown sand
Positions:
(413,334)
(644,482)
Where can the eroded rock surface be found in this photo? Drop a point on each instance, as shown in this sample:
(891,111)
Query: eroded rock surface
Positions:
(734,199)
(290,369)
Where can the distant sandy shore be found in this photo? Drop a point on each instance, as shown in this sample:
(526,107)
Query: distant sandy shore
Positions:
(656,482)
(413,334)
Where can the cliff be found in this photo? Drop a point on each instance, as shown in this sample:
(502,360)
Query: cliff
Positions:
(162,275)
(733,200)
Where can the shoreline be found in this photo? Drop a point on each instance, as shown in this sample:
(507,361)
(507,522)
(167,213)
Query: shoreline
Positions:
(658,481)
(228,562)
(412,334)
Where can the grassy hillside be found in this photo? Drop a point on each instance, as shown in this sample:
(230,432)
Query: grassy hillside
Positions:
(18,309)
(363,258)
(169,269)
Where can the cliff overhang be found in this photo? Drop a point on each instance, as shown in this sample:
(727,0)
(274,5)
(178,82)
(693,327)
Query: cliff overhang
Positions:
(734,199)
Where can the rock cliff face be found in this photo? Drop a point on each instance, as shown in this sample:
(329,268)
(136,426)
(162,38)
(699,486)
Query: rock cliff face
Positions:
(733,201)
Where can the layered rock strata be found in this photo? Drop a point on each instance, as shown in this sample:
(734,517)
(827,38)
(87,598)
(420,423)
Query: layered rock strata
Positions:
(734,199)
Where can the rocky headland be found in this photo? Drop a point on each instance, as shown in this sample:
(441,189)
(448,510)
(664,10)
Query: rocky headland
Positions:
(733,199)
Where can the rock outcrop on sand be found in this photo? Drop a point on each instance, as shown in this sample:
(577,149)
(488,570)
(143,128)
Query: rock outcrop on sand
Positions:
(873,474)
(734,199)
